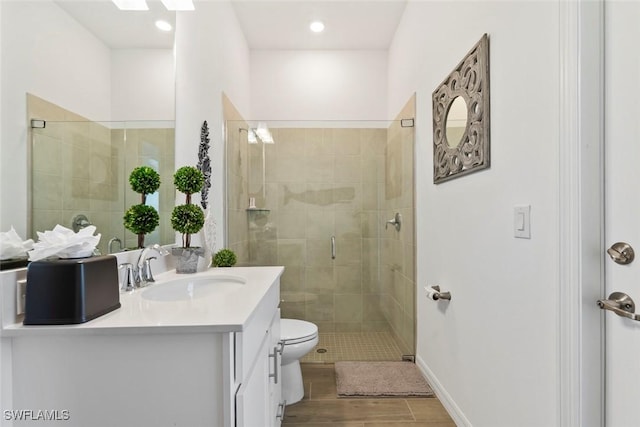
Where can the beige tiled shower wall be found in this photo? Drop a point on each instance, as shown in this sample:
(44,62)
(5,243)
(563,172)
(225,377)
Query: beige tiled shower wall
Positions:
(82,167)
(398,248)
(322,183)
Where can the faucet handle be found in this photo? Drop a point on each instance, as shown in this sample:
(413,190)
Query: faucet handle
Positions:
(147,276)
(128,280)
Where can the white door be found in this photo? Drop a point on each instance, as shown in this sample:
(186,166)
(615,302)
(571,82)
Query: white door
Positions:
(622,207)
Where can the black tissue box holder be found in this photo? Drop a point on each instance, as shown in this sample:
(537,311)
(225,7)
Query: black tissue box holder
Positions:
(69,291)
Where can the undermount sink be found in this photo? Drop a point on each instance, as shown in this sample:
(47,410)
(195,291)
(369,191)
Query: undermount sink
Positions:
(190,288)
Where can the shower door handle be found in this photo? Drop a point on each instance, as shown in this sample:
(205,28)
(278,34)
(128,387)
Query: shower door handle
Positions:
(333,247)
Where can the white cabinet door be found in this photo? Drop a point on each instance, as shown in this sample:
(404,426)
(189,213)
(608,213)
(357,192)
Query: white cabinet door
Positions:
(258,398)
(252,399)
(275,385)
(622,154)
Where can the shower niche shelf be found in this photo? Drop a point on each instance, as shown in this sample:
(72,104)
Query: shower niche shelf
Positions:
(258,210)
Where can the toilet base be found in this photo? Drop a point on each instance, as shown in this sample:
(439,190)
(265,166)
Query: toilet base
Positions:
(292,387)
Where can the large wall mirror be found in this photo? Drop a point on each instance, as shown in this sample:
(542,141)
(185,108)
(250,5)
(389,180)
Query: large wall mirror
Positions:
(79,164)
(461,117)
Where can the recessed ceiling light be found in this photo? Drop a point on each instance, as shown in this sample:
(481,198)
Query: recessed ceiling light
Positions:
(131,4)
(178,4)
(317,26)
(163,25)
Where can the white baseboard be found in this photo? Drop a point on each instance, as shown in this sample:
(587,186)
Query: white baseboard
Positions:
(445,398)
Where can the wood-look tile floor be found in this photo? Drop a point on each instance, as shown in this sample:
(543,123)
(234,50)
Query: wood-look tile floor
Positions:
(321,406)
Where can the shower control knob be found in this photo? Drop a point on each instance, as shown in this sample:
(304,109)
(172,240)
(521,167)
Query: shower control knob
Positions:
(396,221)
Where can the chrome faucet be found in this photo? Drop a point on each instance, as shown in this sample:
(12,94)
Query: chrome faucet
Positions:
(143,275)
(129,279)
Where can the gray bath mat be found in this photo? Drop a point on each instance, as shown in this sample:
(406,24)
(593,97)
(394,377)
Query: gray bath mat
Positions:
(380,379)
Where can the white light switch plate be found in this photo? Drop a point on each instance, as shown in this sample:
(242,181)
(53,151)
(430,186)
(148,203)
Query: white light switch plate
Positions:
(522,222)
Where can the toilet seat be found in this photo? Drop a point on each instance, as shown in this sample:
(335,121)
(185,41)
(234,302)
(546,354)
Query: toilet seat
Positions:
(293,331)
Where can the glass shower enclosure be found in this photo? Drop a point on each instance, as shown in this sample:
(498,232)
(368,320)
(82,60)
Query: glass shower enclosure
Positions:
(324,193)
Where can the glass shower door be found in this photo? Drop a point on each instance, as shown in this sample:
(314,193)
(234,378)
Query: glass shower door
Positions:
(328,189)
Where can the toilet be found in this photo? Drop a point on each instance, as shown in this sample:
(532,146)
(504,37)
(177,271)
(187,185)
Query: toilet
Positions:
(298,337)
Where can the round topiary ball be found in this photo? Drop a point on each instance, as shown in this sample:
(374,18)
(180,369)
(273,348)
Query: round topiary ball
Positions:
(188,180)
(144,180)
(141,219)
(187,219)
(224,258)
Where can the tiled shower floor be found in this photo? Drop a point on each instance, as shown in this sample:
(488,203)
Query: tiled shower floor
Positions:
(355,346)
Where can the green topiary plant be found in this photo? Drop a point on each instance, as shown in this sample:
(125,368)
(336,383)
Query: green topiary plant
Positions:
(224,258)
(188,218)
(144,180)
(142,219)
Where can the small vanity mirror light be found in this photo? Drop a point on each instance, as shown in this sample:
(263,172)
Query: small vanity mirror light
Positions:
(38,124)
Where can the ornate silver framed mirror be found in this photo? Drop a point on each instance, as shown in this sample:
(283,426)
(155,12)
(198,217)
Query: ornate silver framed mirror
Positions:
(461,117)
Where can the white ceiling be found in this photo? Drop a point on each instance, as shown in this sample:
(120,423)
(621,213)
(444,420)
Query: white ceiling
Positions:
(120,29)
(348,24)
(267,24)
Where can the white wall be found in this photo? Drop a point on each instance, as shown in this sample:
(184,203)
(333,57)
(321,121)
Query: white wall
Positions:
(212,57)
(318,85)
(143,84)
(47,53)
(493,350)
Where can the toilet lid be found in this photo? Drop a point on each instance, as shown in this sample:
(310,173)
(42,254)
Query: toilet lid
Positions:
(297,330)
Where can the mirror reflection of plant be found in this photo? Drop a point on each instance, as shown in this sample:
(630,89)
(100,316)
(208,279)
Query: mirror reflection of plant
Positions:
(142,219)
(144,180)
(187,218)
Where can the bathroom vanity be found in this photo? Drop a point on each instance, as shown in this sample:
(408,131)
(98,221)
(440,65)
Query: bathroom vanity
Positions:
(194,351)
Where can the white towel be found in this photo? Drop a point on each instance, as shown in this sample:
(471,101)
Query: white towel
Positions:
(12,245)
(64,243)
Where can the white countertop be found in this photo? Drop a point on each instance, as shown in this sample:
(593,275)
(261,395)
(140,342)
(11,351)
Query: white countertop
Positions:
(228,311)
